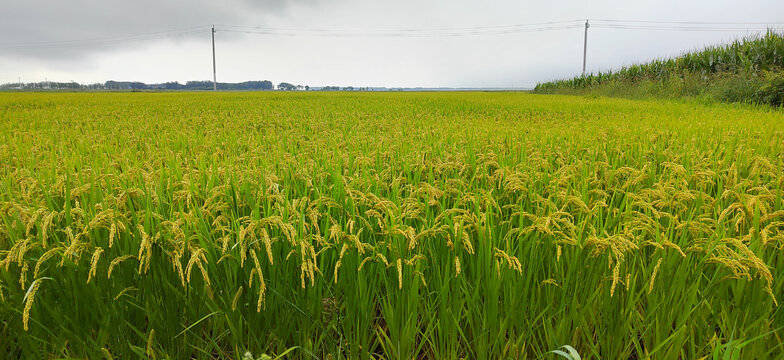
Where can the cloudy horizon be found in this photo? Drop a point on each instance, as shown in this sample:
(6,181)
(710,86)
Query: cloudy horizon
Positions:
(358,43)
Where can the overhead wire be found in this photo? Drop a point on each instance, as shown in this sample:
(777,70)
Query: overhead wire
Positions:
(490,27)
(689,22)
(107,40)
(616,24)
(402,34)
(679,28)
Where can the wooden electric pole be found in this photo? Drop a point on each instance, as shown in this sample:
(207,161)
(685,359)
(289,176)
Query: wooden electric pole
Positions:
(214,76)
(585,45)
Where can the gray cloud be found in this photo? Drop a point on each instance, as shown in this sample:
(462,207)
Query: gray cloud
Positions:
(34,28)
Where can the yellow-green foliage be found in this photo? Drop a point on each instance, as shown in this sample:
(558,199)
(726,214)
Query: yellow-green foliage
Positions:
(395,225)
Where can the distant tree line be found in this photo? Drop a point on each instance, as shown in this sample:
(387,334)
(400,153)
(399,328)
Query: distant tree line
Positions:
(190,85)
(174,85)
(43,85)
(137,85)
(345,88)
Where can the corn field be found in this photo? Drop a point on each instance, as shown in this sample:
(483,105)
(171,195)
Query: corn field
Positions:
(388,226)
(752,55)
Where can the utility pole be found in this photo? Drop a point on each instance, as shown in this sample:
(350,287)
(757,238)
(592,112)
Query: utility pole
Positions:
(214,76)
(585,44)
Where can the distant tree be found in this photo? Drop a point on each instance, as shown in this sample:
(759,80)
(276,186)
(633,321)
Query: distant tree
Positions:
(286,87)
(199,85)
(173,85)
(307,88)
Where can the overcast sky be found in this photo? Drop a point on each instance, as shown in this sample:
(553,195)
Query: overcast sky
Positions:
(46,39)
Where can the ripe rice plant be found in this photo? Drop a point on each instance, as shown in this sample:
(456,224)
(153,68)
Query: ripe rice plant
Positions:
(388,226)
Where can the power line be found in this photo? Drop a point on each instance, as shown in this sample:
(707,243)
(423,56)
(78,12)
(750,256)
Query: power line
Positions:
(503,29)
(500,30)
(656,25)
(401,29)
(680,28)
(457,31)
(402,34)
(689,22)
(98,44)
(617,24)
(104,40)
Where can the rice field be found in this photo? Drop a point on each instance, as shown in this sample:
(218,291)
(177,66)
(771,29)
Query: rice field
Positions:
(389,226)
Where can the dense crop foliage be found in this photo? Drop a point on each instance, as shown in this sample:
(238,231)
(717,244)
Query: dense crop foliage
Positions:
(408,225)
(753,62)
